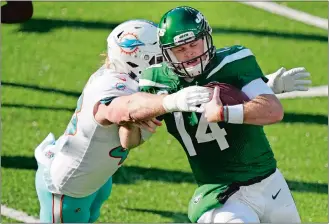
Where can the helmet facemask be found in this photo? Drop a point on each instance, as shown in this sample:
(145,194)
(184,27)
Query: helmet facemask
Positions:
(180,66)
(149,58)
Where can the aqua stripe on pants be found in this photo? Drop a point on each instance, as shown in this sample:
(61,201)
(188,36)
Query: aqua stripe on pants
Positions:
(56,208)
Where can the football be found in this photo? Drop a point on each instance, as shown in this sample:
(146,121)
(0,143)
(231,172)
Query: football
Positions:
(229,94)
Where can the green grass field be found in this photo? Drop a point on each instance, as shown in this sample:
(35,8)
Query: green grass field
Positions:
(47,60)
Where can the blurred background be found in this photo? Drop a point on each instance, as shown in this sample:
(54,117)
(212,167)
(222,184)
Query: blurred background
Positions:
(47,60)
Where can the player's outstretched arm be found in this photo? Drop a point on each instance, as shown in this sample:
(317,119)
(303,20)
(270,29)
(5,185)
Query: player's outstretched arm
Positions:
(283,81)
(117,112)
(263,108)
(144,106)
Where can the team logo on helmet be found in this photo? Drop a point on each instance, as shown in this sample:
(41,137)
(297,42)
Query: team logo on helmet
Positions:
(129,43)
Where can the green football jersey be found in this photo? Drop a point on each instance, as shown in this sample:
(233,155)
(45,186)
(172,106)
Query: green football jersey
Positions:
(218,153)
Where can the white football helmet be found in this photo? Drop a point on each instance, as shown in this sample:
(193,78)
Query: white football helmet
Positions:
(133,46)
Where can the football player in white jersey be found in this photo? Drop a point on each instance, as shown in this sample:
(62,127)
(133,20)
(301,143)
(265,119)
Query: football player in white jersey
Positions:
(74,172)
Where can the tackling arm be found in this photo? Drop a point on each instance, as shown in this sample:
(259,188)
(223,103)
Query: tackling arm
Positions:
(136,107)
(139,107)
(130,134)
(120,111)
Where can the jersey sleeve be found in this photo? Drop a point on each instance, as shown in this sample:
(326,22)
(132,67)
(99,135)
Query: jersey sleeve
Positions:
(147,82)
(158,79)
(244,66)
(105,88)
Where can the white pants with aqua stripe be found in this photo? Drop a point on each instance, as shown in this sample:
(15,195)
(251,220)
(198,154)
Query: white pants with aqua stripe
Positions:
(58,208)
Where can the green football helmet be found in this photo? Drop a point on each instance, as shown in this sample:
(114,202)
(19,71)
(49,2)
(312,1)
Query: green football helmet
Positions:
(180,26)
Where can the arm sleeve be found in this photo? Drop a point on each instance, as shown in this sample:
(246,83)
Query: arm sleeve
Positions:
(158,80)
(256,88)
(250,71)
(105,89)
(244,68)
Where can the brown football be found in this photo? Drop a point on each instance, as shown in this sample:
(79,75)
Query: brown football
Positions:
(229,94)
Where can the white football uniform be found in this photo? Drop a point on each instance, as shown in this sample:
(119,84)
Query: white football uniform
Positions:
(87,154)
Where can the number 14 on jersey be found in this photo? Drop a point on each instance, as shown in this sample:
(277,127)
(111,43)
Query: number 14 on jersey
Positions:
(201,136)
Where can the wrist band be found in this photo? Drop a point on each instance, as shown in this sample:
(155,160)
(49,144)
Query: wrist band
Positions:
(221,113)
(225,114)
(235,114)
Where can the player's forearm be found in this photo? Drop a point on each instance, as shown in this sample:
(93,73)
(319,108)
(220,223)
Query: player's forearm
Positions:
(263,110)
(142,106)
(134,108)
(130,136)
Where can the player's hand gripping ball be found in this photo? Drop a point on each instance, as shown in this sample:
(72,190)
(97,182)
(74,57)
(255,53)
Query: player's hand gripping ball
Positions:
(229,95)
(224,94)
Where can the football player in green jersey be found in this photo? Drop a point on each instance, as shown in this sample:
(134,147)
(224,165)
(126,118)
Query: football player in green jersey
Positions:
(229,154)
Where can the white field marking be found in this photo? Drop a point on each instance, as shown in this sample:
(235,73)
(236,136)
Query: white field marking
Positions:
(18,215)
(312,92)
(290,13)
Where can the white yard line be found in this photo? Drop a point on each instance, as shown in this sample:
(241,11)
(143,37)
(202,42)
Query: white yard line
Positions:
(290,13)
(18,215)
(301,17)
(312,92)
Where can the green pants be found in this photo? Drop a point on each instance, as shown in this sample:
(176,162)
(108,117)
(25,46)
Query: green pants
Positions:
(207,197)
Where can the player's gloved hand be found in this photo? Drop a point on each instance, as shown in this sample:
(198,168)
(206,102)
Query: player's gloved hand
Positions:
(187,99)
(286,81)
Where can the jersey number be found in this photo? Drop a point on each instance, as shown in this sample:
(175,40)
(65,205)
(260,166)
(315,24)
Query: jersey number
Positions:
(120,153)
(72,127)
(201,136)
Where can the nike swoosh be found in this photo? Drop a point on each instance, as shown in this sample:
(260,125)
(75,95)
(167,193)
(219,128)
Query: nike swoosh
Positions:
(274,196)
(123,79)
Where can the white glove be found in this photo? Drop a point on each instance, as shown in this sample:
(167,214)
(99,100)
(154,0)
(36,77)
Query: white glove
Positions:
(186,99)
(287,81)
